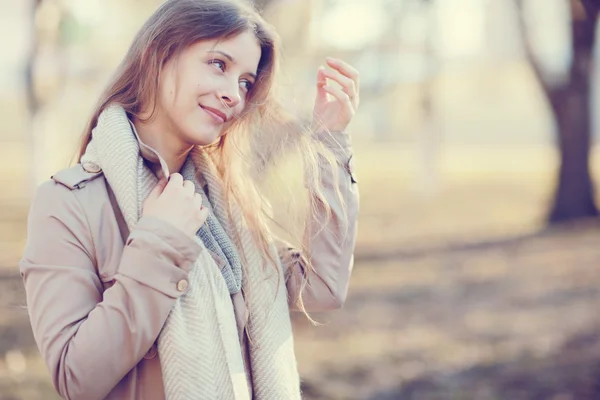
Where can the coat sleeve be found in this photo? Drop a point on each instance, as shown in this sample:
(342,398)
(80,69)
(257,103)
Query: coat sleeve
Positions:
(332,240)
(89,337)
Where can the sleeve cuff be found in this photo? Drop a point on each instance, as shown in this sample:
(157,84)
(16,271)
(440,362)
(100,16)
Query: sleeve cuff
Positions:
(159,255)
(143,267)
(339,144)
(335,140)
(165,241)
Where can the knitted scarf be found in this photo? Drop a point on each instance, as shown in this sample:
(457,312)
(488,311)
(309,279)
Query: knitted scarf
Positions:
(199,347)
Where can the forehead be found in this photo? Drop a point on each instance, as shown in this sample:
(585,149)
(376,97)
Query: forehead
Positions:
(244,49)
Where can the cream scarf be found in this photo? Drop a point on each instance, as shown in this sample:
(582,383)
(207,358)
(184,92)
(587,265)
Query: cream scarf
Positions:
(199,347)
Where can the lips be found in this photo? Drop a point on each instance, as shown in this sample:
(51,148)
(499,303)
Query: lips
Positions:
(218,115)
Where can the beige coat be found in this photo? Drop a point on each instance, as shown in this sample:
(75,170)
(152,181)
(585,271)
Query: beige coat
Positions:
(97,304)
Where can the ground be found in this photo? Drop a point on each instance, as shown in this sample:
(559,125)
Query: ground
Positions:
(511,320)
(463,295)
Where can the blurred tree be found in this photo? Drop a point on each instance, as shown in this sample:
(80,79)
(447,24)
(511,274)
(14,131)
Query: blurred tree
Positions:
(429,140)
(53,27)
(570,103)
(262,4)
(430,135)
(33,102)
(31,96)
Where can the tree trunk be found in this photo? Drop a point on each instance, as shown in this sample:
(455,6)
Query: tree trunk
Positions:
(574,196)
(570,103)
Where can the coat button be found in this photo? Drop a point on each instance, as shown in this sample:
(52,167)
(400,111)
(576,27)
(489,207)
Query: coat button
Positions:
(91,167)
(182,285)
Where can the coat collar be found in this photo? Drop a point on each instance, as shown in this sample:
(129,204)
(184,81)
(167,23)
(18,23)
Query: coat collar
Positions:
(156,163)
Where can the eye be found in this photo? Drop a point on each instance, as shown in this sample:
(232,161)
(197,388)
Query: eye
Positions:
(219,64)
(246,85)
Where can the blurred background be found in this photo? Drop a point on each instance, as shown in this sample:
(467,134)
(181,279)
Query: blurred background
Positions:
(476,154)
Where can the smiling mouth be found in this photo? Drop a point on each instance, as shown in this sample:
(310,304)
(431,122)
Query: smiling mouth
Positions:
(217,115)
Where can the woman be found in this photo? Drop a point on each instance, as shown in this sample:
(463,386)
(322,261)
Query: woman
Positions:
(151,269)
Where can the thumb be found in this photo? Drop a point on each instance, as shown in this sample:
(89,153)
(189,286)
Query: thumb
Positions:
(321,81)
(204,214)
(158,189)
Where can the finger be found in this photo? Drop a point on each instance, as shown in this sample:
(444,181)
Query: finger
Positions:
(321,81)
(189,187)
(197,201)
(339,95)
(158,189)
(345,68)
(176,178)
(347,84)
(175,181)
(203,214)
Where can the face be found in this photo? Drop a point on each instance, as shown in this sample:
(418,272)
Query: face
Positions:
(206,88)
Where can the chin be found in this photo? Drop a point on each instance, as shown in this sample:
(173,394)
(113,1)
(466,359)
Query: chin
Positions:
(205,136)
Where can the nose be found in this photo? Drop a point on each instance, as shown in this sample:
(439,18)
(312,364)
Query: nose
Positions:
(230,95)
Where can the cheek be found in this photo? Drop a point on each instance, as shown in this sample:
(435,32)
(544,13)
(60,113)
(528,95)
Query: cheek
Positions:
(241,108)
(167,93)
(167,99)
(179,89)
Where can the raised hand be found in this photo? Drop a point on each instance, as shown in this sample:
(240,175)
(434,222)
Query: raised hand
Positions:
(177,202)
(335,107)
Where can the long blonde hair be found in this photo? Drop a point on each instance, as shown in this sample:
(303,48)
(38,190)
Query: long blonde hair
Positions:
(259,146)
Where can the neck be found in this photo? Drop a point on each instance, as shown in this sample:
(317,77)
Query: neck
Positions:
(165,140)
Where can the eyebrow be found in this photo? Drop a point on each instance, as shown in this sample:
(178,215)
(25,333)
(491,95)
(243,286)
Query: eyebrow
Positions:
(227,56)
